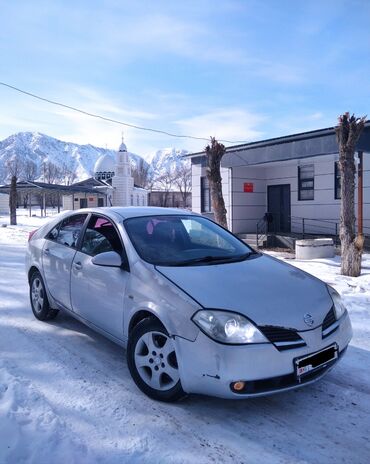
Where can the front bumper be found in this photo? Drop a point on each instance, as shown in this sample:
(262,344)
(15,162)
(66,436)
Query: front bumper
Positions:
(209,368)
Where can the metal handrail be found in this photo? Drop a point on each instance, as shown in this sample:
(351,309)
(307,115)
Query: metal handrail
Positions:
(261,229)
(308,226)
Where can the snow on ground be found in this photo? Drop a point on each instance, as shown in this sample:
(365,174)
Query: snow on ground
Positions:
(66,395)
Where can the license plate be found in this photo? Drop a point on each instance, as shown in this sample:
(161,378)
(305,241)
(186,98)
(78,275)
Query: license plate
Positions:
(315,361)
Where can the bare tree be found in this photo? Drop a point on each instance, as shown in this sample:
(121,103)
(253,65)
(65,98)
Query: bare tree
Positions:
(348,132)
(51,172)
(141,173)
(161,178)
(67,174)
(164,183)
(15,168)
(29,174)
(182,179)
(30,170)
(214,153)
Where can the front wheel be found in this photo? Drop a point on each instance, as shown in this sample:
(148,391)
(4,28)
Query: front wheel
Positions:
(152,361)
(39,300)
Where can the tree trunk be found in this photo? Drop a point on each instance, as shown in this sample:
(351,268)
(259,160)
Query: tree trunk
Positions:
(13,201)
(214,153)
(348,133)
(351,246)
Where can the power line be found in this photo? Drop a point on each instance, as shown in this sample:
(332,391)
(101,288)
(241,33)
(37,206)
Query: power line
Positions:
(115,121)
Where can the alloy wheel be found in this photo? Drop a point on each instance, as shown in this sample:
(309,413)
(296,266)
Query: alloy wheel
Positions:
(155,361)
(37,295)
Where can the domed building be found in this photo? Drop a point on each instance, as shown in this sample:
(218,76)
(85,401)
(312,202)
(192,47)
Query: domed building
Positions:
(112,184)
(104,168)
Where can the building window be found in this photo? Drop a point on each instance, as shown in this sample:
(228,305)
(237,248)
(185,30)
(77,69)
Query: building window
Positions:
(205,195)
(337,181)
(306,182)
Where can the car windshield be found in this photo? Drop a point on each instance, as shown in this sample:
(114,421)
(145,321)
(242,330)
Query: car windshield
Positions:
(184,241)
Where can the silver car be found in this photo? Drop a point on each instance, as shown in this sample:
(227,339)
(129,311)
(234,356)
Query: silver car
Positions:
(198,310)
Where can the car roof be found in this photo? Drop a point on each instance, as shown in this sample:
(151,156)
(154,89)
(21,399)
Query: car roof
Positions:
(136,211)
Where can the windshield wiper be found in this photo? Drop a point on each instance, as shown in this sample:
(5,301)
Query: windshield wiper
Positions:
(211,259)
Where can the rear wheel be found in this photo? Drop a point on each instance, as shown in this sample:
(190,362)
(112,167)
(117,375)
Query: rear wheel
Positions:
(152,361)
(39,300)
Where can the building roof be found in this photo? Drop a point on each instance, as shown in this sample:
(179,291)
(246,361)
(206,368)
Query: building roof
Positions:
(92,182)
(44,187)
(104,163)
(302,145)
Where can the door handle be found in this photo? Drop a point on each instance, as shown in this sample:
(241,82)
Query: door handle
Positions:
(77,266)
(46,251)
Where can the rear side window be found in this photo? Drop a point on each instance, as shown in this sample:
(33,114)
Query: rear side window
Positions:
(100,236)
(70,230)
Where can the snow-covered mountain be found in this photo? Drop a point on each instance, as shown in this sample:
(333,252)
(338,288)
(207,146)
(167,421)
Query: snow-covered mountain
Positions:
(40,148)
(167,161)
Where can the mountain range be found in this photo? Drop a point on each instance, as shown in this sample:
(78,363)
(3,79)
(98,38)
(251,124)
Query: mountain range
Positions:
(39,149)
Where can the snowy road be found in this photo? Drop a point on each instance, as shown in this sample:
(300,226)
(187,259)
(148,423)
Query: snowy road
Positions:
(66,395)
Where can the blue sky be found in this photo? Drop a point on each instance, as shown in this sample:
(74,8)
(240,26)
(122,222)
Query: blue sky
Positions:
(239,70)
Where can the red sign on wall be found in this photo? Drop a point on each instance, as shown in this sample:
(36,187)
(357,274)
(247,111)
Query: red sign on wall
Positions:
(248,187)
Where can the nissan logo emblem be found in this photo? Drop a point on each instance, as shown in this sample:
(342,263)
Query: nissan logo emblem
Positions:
(308,319)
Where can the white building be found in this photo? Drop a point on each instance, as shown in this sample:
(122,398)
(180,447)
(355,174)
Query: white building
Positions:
(4,203)
(112,182)
(294,179)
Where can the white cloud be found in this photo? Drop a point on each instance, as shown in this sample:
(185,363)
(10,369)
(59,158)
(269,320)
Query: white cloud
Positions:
(316,116)
(175,116)
(233,124)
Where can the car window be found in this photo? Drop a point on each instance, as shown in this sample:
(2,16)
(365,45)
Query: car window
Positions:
(53,234)
(200,234)
(70,230)
(100,236)
(175,240)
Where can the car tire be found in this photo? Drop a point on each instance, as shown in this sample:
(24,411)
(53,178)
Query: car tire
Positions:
(152,362)
(39,299)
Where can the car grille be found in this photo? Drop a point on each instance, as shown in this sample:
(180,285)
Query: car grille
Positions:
(283,339)
(330,323)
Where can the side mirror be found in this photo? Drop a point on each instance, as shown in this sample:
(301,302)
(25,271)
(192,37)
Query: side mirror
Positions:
(108,259)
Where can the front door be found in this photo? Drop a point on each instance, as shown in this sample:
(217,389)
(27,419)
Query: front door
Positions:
(278,203)
(97,292)
(83,202)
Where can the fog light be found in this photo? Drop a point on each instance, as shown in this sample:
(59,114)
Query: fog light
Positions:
(238,386)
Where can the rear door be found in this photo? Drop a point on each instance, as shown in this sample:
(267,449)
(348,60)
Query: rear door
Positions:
(57,256)
(97,292)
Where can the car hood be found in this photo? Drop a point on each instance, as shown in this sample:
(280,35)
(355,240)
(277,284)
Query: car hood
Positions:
(264,289)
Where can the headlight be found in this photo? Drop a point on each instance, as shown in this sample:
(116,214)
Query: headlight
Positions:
(339,307)
(228,327)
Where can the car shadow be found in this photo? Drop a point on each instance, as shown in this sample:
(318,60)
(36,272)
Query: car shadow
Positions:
(327,418)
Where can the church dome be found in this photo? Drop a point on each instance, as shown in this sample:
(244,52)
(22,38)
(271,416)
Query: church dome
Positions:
(104,163)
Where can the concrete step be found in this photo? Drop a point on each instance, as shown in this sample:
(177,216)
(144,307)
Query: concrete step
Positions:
(251,239)
(247,236)
(252,243)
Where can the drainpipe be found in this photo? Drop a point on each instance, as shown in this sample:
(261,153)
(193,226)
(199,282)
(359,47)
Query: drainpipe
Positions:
(360,202)
(231,198)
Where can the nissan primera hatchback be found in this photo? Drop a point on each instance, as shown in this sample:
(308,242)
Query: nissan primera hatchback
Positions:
(198,310)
